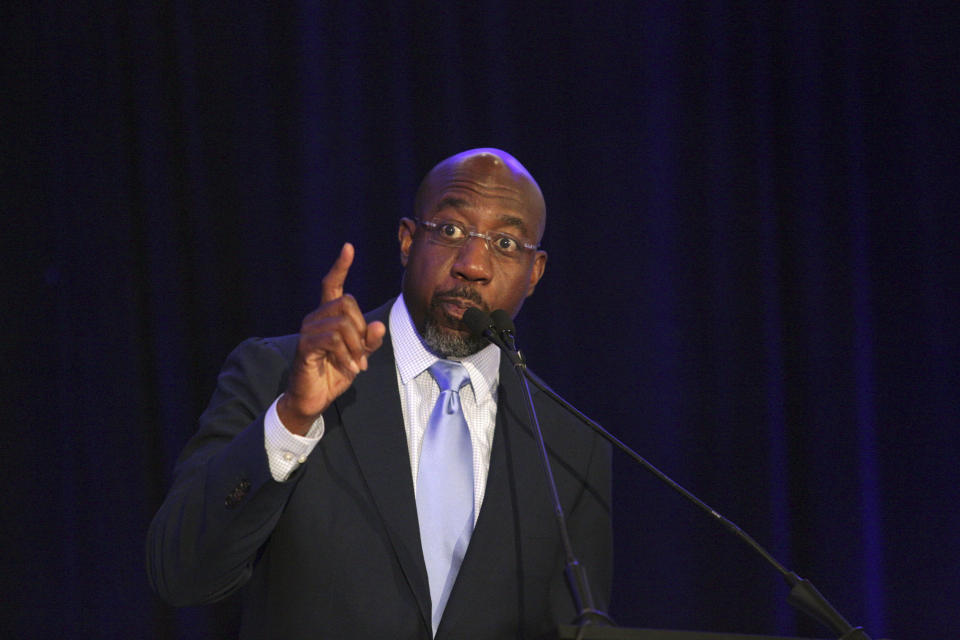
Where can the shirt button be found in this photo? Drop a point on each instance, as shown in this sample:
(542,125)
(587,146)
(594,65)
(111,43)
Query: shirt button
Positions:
(302,459)
(288,456)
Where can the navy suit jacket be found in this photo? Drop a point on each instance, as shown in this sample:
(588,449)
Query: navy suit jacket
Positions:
(334,552)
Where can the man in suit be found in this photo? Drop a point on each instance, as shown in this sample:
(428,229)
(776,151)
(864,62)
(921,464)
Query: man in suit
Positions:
(303,483)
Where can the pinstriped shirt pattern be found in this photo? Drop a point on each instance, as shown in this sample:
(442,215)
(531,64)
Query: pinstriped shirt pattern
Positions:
(419,393)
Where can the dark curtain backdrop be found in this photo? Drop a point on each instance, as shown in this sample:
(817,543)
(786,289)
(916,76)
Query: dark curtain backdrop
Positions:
(752,277)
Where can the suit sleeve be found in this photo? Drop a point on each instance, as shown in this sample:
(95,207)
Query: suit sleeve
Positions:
(223,503)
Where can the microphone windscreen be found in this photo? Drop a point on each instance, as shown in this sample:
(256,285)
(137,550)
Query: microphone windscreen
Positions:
(502,321)
(476,320)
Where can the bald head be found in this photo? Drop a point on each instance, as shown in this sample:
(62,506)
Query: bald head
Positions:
(464,204)
(492,170)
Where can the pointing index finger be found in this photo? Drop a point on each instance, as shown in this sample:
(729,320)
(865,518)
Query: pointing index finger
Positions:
(332,284)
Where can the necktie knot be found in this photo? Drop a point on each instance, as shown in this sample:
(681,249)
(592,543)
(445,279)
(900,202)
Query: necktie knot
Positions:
(451,376)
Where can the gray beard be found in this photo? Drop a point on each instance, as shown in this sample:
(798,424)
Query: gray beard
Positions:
(447,344)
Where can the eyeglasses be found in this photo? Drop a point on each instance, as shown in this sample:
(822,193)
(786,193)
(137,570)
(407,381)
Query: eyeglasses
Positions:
(454,234)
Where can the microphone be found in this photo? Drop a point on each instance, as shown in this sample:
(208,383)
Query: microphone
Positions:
(482,324)
(507,330)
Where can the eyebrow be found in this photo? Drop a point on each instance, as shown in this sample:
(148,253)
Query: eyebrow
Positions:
(514,221)
(454,202)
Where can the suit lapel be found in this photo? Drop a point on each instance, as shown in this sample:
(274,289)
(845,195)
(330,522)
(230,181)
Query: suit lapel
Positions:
(498,498)
(514,477)
(373,423)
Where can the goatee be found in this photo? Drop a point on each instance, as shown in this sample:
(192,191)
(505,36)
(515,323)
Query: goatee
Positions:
(447,336)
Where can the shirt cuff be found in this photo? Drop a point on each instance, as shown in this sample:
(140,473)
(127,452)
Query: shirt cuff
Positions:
(287,451)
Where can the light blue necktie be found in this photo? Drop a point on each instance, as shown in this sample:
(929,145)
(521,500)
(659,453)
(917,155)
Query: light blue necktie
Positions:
(445,486)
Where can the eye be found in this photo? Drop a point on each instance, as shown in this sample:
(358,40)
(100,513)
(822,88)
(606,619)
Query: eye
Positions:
(506,244)
(450,231)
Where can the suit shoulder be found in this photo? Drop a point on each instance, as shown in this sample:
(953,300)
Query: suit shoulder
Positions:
(381,313)
(543,393)
(577,428)
(283,347)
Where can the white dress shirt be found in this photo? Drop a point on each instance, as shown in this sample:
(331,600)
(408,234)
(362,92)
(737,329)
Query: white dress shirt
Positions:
(418,394)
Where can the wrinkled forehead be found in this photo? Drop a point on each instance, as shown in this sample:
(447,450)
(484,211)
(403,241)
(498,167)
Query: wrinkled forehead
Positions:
(487,173)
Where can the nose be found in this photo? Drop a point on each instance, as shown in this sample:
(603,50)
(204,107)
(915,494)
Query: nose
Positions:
(473,262)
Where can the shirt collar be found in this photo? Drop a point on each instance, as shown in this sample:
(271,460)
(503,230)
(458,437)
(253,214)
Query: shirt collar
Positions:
(413,357)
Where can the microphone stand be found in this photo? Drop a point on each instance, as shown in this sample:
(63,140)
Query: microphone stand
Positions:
(588,613)
(803,595)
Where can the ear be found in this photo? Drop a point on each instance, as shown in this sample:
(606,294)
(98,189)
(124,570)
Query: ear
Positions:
(536,271)
(405,235)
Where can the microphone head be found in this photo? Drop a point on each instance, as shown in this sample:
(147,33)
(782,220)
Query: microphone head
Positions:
(477,321)
(502,321)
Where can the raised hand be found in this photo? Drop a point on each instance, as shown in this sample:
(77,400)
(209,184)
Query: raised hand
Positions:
(334,344)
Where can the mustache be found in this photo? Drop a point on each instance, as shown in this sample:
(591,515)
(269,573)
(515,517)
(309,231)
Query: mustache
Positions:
(459,293)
